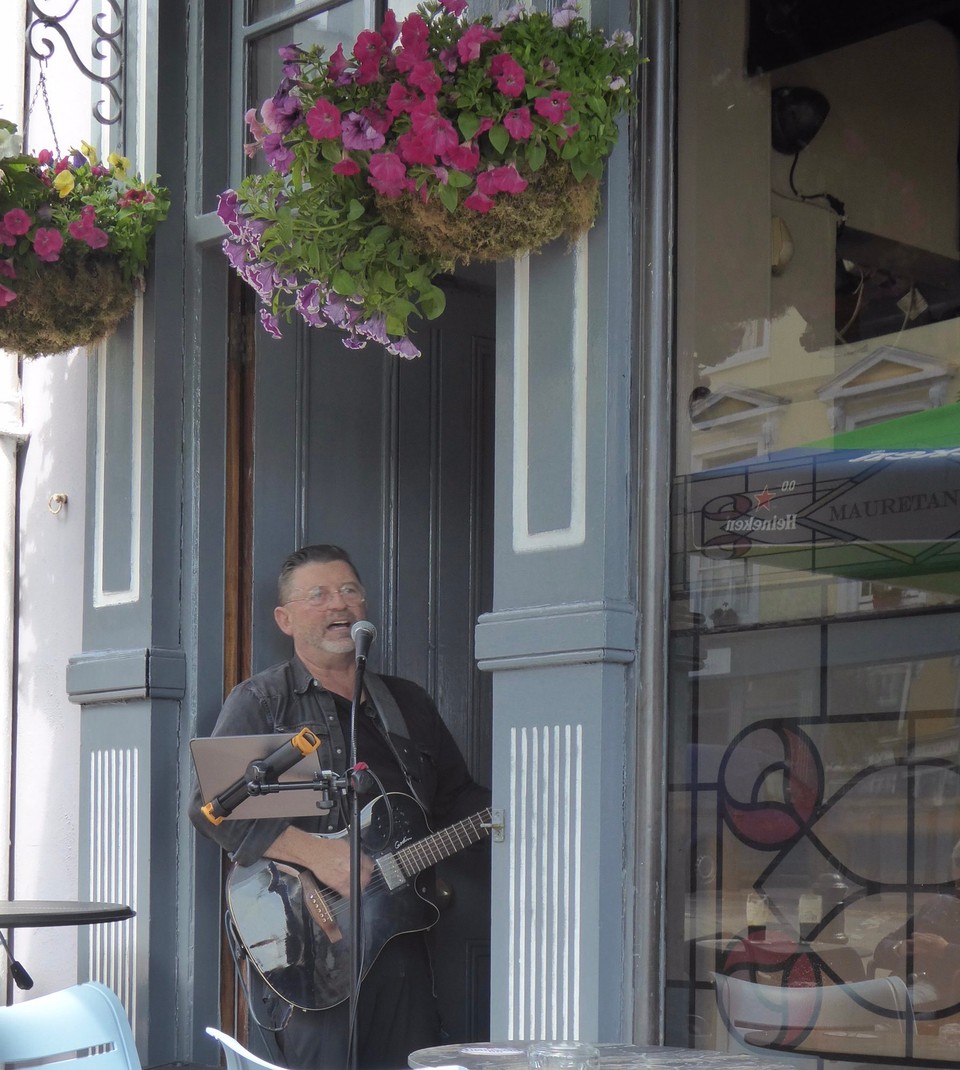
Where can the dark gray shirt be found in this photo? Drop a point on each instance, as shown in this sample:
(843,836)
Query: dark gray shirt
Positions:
(286,698)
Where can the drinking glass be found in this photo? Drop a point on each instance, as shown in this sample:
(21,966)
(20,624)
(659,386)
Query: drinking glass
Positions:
(563,1055)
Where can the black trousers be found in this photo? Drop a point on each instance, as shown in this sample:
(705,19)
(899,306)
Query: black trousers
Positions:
(396,1014)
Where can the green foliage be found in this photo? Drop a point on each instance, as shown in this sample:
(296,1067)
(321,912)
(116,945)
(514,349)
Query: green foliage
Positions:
(74,243)
(389,165)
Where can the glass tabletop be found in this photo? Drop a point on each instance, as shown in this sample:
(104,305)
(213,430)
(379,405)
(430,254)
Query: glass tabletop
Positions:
(40,913)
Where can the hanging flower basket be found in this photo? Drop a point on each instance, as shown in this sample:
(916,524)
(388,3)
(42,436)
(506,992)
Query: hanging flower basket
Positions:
(436,142)
(60,306)
(74,235)
(553,205)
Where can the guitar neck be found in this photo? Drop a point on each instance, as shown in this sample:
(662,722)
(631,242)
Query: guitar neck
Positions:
(415,857)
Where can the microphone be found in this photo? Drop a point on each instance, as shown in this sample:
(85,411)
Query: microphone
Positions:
(262,770)
(363,634)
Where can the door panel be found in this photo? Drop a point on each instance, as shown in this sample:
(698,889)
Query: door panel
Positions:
(394,460)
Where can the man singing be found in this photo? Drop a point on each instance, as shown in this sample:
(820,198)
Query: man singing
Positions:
(404,742)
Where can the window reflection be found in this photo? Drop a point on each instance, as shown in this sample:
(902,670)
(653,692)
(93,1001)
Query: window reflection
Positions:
(816,565)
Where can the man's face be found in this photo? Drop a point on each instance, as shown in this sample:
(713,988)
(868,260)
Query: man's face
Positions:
(320,608)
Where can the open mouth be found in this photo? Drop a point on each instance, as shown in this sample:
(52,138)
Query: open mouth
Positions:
(340,628)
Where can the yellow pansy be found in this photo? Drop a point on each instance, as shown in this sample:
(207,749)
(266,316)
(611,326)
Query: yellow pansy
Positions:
(119,163)
(90,152)
(64,183)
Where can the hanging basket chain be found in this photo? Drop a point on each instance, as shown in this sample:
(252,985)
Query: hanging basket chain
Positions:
(41,88)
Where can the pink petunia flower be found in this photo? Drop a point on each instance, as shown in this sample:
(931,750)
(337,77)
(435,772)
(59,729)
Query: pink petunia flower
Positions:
(369,47)
(478,202)
(7,269)
(508,75)
(367,72)
(518,123)
(464,157)
(17,221)
(433,129)
(346,167)
(506,179)
(44,157)
(401,99)
(336,65)
(7,296)
(47,243)
(323,120)
(455,7)
(414,149)
(389,29)
(554,107)
(388,174)
(414,34)
(96,238)
(468,47)
(423,76)
(379,120)
(6,238)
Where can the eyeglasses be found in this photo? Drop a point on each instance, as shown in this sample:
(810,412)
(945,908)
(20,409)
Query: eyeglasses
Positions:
(318,597)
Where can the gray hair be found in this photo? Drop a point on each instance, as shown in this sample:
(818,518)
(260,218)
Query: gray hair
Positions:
(318,553)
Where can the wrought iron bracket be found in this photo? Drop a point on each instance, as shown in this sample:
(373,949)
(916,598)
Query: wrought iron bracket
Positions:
(107,46)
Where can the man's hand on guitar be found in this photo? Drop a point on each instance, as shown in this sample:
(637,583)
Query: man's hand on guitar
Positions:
(328,859)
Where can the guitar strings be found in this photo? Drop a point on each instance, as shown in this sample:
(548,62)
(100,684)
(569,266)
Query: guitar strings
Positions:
(470,831)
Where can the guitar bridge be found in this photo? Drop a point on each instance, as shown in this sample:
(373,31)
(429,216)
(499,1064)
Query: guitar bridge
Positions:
(392,874)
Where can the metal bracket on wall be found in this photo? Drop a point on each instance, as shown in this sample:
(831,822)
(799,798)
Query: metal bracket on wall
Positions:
(496,826)
(107,49)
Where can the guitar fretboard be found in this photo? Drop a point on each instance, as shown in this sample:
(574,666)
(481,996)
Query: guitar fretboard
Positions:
(435,848)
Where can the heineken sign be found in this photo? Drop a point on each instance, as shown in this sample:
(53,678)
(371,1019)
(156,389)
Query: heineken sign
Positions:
(861,512)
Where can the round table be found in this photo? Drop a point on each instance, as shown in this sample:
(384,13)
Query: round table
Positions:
(41,913)
(512,1055)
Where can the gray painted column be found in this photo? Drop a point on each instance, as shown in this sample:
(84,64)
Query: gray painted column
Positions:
(561,638)
(131,676)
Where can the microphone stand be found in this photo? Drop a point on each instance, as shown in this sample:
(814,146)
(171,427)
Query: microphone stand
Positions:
(354,840)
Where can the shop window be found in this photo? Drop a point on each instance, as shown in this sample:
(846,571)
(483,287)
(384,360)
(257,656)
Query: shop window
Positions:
(814,782)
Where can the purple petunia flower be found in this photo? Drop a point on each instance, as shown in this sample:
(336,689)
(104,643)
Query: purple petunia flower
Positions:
(278,155)
(359,134)
(308,304)
(281,112)
(403,347)
(269,323)
(565,15)
(374,328)
(262,277)
(235,253)
(227,209)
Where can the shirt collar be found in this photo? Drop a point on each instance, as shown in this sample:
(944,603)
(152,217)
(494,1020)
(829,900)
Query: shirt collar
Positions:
(303,679)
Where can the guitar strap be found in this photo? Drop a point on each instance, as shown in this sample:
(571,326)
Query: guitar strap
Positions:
(391,723)
(396,734)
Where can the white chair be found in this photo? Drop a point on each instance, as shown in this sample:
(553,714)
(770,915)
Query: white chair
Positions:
(758,1015)
(85,1024)
(236,1055)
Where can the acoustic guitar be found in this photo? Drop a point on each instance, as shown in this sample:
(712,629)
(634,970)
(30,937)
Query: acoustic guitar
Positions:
(296,931)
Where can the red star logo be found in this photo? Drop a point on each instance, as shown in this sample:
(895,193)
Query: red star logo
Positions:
(764,498)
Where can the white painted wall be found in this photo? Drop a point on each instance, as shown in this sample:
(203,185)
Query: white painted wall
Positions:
(40,740)
(47,750)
